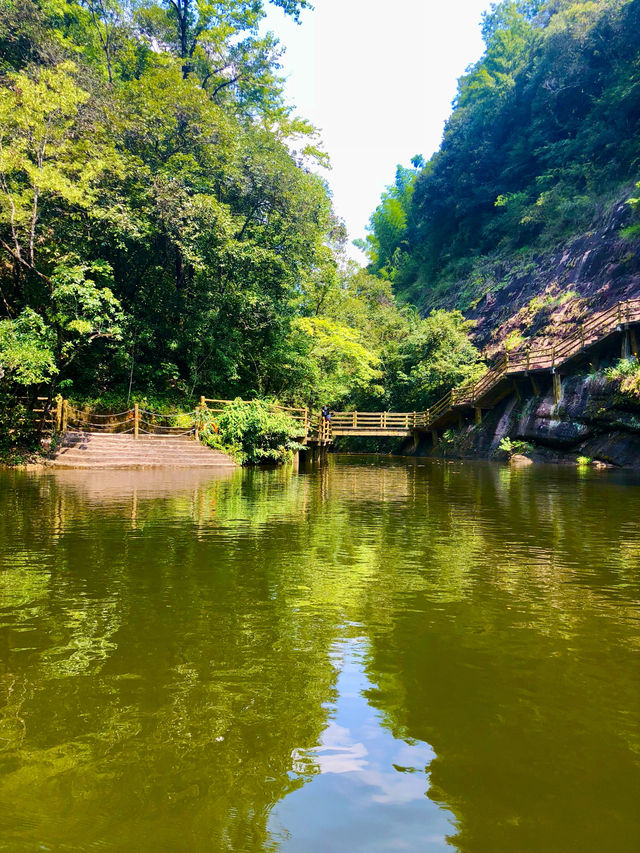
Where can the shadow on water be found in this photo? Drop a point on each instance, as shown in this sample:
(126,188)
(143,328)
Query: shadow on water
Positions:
(377,654)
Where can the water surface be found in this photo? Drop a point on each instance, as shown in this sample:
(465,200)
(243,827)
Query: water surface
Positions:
(377,655)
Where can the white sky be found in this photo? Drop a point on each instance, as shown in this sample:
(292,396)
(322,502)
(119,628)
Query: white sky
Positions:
(378,79)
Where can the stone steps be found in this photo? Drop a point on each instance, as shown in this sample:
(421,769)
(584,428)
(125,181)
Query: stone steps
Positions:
(109,450)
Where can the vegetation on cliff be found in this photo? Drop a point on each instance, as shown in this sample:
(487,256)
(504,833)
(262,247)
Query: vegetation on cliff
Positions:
(544,133)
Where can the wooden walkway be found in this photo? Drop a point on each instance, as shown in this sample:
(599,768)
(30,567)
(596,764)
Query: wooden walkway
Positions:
(495,384)
(530,361)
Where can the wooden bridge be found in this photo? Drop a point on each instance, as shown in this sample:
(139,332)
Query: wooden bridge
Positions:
(475,397)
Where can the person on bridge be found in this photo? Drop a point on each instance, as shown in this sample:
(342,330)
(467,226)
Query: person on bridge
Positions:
(326,414)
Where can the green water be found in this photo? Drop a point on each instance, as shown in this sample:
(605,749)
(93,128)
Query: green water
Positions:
(380,655)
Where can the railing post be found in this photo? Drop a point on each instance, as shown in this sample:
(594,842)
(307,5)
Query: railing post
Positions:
(59,413)
(528,357)
(383,420)
(427,419)
(65,416)
(306,421)
(582,335)
(136,420)
(355,420)
(203,402)
(553,356)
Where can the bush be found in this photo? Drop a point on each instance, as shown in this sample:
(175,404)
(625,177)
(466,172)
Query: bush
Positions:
(627,373)
(18,425)
(252,432)
(511,447)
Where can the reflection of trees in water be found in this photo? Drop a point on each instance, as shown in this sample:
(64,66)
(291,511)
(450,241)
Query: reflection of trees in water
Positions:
(202,681)
(180,636)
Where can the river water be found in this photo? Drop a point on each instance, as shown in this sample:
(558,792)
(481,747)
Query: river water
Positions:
(377,655)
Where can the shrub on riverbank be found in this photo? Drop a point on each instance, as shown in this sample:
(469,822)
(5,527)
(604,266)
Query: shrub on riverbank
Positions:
(251,432)
(627,374)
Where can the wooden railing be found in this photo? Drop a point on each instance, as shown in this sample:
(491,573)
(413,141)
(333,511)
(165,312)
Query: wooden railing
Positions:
(528,359)
(42,407)
(376,420)
(136,421)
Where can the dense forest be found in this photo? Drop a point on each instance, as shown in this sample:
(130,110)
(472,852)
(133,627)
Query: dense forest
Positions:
(164,232)
(544,134)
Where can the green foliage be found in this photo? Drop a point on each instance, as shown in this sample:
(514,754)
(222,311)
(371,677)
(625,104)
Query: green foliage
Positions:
(545,127)
(514,446)
(253,432)
(162,234)
(333,361)
(435,356)
(26,350)
(583,461)
(627,374)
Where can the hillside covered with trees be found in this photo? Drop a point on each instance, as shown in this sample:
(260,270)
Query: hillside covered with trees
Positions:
(542,143)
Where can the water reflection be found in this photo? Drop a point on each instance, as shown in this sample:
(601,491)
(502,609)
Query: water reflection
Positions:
(371,656)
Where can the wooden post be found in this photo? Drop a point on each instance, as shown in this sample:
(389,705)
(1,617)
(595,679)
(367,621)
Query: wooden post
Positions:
(528,356)
(557,388)
(136,420)
(625,349)
(355,420)
(478,412)
(59,413)
(203,402)
(383,420)
(196,430)
(582,335)
(427,418)
(65,415)
(306,421)
(534,385)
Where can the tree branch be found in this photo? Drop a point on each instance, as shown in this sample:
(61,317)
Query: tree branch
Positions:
(18,257)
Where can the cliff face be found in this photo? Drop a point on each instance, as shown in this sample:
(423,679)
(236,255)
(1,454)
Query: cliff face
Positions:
(544,297)
(592,420)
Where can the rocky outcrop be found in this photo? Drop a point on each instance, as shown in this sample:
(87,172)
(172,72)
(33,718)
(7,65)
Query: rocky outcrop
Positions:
(542,297)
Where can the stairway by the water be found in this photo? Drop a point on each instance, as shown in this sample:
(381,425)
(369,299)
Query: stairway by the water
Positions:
(104,450)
